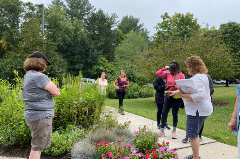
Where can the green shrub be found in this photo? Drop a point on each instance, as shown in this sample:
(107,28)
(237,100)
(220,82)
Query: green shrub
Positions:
(62,141)
(78,104)
(133,91)
(145,140)
(13,128)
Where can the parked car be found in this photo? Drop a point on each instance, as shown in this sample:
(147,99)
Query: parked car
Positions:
(219,81)
(88,80)
(234,81)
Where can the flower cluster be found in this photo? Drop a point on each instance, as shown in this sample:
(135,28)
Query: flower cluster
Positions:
(112,150)
(125,125)
(163,152)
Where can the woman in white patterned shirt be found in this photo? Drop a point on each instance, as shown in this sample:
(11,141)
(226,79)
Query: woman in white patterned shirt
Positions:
(197,105)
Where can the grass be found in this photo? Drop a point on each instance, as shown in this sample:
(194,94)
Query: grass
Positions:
(216,125)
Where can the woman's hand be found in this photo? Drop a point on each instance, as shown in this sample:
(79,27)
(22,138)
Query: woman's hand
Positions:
(170,86)
(172,92)
(232,124)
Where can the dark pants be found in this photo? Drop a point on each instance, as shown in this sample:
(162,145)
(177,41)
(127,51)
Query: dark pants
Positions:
(175,104)
(200,132)
(159,113)
(121,96)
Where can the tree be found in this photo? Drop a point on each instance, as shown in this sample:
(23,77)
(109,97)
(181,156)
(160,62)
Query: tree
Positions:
(78,9)
(100,27)
(32,41)
(10,12)
(127,54)
(231,35)
(179,25)
(59,28)
(214,53)
(103,65)
(129,23)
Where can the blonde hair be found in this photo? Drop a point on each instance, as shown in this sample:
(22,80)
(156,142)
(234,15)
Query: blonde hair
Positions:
(196,65)
(124,75)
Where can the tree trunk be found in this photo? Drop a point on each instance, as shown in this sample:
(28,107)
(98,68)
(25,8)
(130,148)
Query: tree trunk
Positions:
(226,83)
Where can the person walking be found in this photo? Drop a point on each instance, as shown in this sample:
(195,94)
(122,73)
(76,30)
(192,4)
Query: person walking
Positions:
(186,140)
(102,83)
(197,105)
(37,92)
(159,86)
(171,102)
(123,82)
(234,122)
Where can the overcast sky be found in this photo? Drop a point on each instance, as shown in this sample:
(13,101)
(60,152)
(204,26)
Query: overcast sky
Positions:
(211,12)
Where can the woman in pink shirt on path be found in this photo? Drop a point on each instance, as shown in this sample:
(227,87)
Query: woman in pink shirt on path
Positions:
(174,102)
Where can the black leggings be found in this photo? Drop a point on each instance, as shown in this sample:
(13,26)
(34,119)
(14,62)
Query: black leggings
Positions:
(159,113)
(168,103)
(121,96)
(200,133)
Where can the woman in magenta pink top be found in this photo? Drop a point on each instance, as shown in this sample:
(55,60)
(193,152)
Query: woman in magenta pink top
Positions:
(123,82)
(174,102)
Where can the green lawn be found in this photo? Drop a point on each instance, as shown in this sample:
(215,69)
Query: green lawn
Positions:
(215,125)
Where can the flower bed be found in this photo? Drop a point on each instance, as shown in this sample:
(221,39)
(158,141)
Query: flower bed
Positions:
(147,148)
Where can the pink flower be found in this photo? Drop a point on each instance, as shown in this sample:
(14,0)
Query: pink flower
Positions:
(124,145)
(104,158)
(129,146)
(103,154)
(109,153)
(167,143)
(115,156)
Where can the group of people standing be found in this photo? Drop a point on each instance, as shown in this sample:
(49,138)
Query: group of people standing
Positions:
(197,105)
(38,90)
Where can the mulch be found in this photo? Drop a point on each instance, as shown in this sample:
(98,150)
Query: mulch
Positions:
(24,151)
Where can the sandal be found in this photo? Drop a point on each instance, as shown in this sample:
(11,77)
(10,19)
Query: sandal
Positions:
(190,157)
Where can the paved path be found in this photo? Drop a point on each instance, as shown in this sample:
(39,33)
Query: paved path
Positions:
(209,149)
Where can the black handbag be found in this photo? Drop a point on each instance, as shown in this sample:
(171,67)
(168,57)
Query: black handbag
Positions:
(119,90)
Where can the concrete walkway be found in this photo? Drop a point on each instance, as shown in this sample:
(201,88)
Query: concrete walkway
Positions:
(209,149)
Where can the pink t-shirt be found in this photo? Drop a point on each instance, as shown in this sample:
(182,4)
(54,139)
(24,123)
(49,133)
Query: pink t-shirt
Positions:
(170,78)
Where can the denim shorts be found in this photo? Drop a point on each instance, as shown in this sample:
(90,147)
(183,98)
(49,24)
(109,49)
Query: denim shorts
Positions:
(41,132)
(194,124)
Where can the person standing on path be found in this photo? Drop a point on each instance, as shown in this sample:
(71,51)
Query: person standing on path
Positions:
(171,102)
(102,83)
(123,82)
(197,105)
(186,140)
(159,86)
(234,122)
(37,92)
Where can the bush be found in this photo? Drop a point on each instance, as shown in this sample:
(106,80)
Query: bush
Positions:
(77,105)
(133,91)
(63,141)
(145,140)
(108,130)
(13,128)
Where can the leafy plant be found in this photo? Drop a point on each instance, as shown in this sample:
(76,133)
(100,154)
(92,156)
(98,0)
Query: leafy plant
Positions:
(63,141)
(133,91)
(145,140)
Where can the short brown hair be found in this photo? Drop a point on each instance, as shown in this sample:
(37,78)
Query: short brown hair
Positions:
(196,65)
(36,64)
